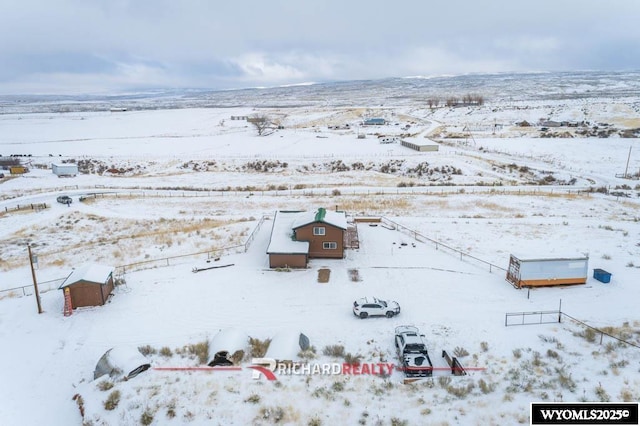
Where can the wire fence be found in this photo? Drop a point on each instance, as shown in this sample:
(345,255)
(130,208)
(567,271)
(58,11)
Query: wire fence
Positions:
(21,207)
(121,270)
(440,246)
(591,334)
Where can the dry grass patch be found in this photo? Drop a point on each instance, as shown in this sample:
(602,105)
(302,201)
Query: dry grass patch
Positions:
(323,275)
(257,347)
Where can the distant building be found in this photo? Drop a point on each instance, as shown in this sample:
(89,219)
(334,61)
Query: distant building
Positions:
(64,170)
(18,170)
(422,147)
(374,122)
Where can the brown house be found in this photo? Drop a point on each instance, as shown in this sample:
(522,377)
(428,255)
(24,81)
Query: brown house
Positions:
(297,237)
(89,285)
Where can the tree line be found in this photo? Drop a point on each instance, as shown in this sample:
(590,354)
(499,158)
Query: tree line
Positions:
(470,99)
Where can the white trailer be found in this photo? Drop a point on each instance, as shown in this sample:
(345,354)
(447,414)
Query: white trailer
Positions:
(65,169)
(539,272)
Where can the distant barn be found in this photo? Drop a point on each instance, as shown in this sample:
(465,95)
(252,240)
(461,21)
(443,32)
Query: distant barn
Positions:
(374,122)
(422,147)
(89,285)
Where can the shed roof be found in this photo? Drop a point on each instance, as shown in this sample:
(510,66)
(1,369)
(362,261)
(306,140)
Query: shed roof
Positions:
(545,257)
(282,238)
(90,272)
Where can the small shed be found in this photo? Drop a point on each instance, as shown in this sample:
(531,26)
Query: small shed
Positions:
(547,271)
(64,169)
(89,285)
(121,362)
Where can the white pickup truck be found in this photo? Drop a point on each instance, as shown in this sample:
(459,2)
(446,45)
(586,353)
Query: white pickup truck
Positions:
(412,352)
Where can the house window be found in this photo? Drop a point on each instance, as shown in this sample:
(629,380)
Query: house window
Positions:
(318,230)
(329,246)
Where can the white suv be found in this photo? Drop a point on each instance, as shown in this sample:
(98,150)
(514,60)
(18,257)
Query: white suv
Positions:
(372,306)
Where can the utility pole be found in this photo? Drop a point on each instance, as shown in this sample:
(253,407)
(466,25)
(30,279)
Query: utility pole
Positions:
(35,283)
(627,167)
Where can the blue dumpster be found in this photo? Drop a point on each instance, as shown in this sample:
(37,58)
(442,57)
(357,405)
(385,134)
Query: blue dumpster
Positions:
(601,275)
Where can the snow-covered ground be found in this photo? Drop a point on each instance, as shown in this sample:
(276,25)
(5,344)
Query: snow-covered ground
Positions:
(172,182)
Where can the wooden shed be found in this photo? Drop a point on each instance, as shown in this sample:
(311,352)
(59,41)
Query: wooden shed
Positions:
(89,285)
(299,236)
(547,271)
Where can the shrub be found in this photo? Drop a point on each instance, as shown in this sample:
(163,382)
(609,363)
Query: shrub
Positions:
(147,350)
(484,346)
(460,352)
(146,418)
(166,352)
(553,354)
(517,353)
(253,398)
(565,379)
(112,400)
(274,414)
(105,385)
(602,394)
(486,387)
(589,334)
(444,381)
(308,353)
(460,391)
(80,402)
(171,410)
(257,347)
(314,421)
(337,386)
(200,350)
(352,359)
(336,351)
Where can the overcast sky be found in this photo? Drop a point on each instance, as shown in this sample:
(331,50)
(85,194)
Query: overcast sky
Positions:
(92,46)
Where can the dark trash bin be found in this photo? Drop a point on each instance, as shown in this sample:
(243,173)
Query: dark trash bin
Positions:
(602,275)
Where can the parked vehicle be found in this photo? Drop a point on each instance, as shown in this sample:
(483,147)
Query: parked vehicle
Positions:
(412,352)
(64,199)
(371,306)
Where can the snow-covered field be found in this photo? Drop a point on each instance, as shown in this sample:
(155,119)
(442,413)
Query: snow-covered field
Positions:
(163,182)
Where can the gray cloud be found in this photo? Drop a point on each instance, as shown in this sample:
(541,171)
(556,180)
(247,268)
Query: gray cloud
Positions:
(92,45)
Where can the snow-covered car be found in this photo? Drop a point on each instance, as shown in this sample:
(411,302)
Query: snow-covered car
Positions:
(372,306)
